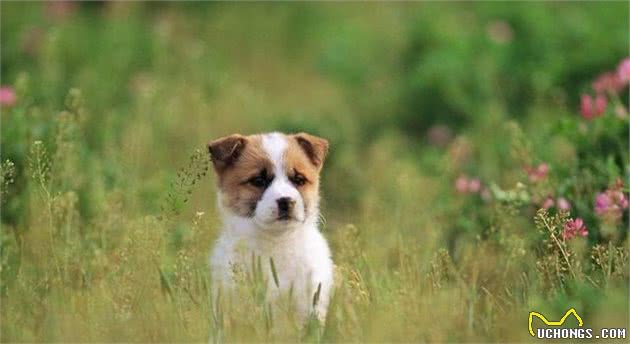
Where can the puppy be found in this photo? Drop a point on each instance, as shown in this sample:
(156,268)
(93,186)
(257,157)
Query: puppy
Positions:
(268,197)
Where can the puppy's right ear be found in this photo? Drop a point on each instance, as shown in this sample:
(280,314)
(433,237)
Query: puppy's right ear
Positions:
(225,151)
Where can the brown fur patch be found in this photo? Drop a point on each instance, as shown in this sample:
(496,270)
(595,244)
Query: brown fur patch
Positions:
(239,195)
(300,160)
(314,147)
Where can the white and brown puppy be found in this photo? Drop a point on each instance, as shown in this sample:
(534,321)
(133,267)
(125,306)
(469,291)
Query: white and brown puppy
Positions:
(268,196)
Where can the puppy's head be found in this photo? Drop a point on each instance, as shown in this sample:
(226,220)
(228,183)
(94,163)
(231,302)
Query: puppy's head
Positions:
(272,179)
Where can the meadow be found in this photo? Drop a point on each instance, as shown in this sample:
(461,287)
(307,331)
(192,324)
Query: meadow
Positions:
(478,168)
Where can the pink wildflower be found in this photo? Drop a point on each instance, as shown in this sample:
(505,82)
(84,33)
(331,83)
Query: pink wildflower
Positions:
(573,228)
(537,173)
(623,71)
(461,184)
(607,82)
(593,108)
(7,96)
(600,105)
(474,185)
(602,203)
(586,106)
(609,205)
(563,204)
(548,203)
(464,184)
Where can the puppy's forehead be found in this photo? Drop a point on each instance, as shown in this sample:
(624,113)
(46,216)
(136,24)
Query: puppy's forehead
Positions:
(285,154)
(254,155)
(275,145)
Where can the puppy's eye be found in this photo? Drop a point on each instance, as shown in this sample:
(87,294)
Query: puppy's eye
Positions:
(262,180)
(298,179)
(258,181)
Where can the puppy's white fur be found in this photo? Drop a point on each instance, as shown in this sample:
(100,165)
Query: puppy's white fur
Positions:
(300,253)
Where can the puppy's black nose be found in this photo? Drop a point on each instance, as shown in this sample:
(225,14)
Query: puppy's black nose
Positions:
(285,204)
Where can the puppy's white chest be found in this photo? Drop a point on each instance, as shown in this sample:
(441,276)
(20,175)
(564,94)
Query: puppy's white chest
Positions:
(290,269)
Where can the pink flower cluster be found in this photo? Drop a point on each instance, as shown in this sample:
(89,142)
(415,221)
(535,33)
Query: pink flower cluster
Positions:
(537,173)
(7,96)
(607,84)
(465,184)
(561,203)
(593,108)
(610,204)
(623,71)
(573,228)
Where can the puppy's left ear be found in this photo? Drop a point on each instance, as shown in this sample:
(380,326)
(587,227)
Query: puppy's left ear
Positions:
(316,148)
(225,151)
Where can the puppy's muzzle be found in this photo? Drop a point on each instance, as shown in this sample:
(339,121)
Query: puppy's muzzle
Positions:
(285,207)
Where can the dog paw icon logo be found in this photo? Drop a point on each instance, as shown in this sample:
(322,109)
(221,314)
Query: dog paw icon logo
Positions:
(553,323)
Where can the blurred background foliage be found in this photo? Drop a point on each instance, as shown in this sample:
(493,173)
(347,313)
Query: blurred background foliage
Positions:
(410,95)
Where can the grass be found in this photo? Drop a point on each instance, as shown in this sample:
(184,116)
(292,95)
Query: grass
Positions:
(108,210)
